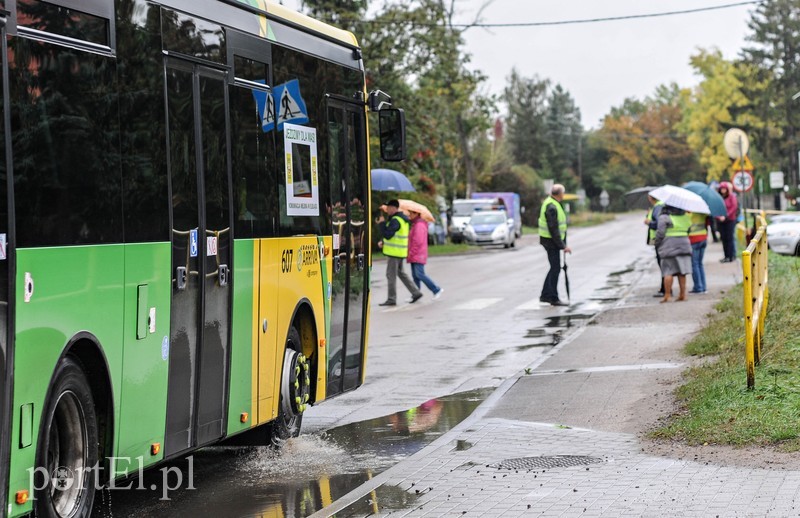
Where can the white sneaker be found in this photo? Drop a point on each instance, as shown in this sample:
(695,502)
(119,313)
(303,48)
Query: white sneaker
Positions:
(438,294)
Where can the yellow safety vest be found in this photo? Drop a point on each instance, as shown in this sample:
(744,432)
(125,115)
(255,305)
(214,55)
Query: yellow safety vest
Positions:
(651,233)
(562,219)
(397,245)
(680,225)
(698,227)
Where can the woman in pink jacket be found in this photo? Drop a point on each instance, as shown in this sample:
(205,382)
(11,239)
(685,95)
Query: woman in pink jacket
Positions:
(727,227)
(418,253)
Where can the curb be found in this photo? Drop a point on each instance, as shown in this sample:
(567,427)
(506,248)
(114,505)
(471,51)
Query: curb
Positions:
(488,404)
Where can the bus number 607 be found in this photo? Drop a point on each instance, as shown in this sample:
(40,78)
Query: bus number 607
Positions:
(286,261)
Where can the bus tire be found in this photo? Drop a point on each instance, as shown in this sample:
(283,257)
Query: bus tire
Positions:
(295,390)
(67,451)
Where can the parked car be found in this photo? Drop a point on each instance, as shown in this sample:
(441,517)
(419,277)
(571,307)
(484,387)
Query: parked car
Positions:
(511,202)
(783,218)
(492,227)
(462,212)
(783,234)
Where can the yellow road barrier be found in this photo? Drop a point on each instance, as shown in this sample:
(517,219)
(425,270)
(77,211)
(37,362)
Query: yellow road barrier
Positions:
(755,275)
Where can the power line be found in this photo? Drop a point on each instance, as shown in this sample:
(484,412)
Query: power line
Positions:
(578,21)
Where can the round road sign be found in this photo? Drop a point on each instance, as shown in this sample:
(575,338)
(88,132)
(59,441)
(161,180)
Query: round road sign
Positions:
(736,143)
(742,181)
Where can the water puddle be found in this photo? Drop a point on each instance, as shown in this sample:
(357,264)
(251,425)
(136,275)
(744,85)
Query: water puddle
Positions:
(399,435)
(462,445)
(310,473)
(382,500)
(506,356)
(566,321)
(628,269)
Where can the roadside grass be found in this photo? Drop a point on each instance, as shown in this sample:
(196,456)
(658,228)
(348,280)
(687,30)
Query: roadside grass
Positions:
(589,219)
(716,407)
(451,248)
(579,219)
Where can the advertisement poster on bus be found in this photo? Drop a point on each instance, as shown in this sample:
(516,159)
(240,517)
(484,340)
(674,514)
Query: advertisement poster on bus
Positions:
(302,185)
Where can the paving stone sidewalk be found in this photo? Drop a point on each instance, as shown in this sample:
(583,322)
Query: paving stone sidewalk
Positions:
(558,440)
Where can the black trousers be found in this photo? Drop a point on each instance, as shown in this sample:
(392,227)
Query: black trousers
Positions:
(727,233)
(550,288)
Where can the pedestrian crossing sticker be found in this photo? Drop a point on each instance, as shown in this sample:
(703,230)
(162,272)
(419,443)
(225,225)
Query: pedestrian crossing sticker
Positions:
(283,104)
(302,183)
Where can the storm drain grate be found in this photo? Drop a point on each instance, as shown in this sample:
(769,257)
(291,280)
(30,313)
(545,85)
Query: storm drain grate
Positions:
(555,461)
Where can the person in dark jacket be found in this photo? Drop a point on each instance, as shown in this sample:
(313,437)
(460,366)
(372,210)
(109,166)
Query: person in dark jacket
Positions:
(394,243)
(651,220)
(553,237)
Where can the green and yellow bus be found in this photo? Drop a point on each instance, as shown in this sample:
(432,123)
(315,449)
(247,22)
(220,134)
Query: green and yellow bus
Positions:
(184,233)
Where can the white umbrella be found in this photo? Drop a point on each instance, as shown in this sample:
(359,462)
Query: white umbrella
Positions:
(681,198)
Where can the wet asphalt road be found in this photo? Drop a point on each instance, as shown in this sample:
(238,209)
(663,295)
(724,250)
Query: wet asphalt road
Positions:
(429,365)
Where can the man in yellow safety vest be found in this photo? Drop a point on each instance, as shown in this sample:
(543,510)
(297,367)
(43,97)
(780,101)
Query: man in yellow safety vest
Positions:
(553,237)
(394,243)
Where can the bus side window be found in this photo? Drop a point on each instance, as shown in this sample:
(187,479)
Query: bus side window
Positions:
(67,171)
(253,153)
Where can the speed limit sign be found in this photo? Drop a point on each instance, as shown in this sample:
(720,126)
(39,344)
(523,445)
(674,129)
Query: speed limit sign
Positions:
(742,181)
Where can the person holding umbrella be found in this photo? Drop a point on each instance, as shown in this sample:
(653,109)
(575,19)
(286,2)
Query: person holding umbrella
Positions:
(394,244)
(553,237)
(674,248)
(651,220)
(418,252)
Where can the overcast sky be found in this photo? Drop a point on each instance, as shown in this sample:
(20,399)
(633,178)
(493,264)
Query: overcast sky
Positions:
(602,63)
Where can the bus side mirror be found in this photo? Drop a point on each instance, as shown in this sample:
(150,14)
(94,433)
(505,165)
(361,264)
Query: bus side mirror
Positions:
(392,128)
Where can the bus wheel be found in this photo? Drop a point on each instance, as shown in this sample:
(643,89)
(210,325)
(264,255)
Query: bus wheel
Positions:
(295,390)
(66,456)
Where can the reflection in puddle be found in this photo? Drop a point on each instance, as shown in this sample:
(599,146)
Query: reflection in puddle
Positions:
(382,499)
(399,435)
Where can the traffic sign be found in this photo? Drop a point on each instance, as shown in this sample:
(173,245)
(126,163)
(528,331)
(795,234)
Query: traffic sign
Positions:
(776,180)
(742,181)
(738,166)
(736,142)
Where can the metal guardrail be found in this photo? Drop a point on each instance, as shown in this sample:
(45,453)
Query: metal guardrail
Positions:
(755,275)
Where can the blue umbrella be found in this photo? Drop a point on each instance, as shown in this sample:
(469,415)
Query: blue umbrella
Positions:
(390,180)
(709,195)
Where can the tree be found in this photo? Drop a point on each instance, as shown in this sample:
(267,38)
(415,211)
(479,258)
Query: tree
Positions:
(526,100)
(563,131)
(715,105)
(642,144)
(446,110)
(344,14)
(775,55)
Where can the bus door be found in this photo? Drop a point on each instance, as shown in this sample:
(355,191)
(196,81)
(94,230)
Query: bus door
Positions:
(199,349)
(347,165)
(6,345)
